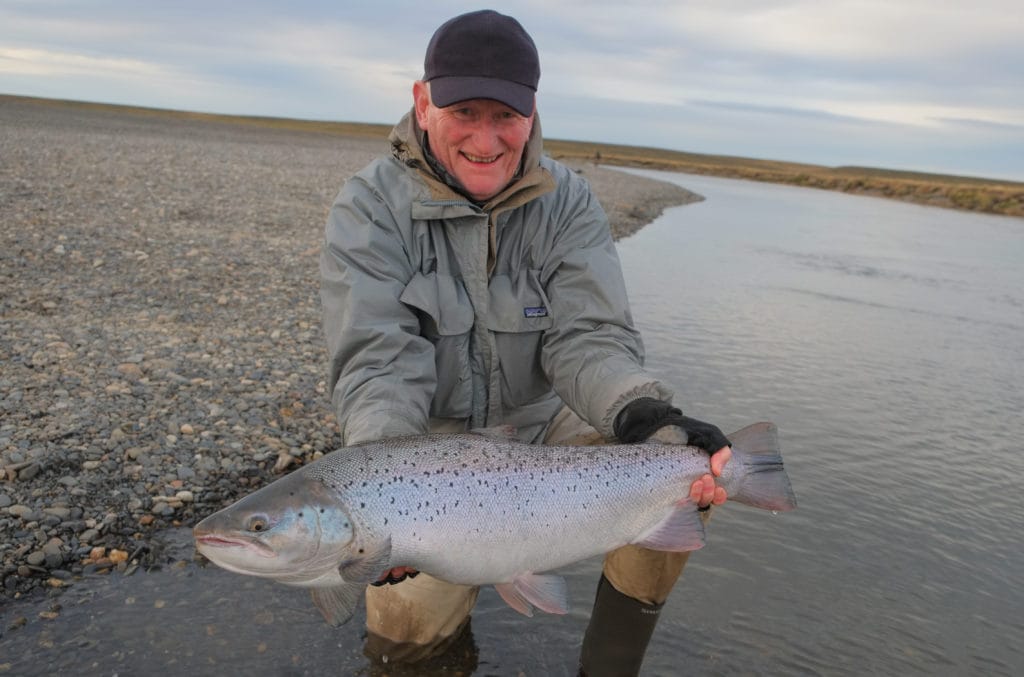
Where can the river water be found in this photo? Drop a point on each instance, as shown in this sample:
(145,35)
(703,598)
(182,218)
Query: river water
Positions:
(884,339)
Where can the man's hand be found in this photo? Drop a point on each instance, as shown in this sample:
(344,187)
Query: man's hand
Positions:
(395,575)
(704,492)
(648,418)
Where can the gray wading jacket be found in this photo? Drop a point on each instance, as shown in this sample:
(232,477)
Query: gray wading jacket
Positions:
(437,308)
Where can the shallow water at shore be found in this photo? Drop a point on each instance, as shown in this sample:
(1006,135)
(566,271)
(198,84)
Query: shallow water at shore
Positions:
(884,340)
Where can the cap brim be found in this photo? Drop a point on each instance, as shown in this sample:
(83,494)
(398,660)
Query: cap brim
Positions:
(446,91)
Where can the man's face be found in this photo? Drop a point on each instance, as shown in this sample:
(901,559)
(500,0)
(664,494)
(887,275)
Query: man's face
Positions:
(480,142)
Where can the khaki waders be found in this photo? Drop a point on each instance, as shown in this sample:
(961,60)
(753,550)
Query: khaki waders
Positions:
(421,617)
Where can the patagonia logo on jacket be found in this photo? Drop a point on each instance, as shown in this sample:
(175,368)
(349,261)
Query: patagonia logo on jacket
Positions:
(535,311)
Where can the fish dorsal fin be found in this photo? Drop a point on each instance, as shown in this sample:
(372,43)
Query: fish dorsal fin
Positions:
(366,562)
(546,592)
(498,432)
(337,603)
(680,530)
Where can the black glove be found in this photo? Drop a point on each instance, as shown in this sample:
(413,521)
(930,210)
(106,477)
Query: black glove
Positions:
(391,580)
(641,418)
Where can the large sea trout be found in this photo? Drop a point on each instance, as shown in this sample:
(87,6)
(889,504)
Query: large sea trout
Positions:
(478,508)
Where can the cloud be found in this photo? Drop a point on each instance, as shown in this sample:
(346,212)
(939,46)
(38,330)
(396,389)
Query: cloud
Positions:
(795,79)
(46,63)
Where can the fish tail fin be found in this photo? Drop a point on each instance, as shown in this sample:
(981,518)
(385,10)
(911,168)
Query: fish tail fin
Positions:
(763,482)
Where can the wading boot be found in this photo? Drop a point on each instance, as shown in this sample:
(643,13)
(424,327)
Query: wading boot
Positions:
(617,636)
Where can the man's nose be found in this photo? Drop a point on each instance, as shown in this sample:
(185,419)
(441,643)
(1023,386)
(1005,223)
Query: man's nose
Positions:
(486,137)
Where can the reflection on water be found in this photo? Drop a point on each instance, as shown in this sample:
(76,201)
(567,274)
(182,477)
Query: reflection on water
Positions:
(201,620)
(885,341)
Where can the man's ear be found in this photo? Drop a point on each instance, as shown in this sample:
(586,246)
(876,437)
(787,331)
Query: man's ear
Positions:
(421,102)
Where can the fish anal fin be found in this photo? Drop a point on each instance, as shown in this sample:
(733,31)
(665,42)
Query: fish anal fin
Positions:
(512,597)
(547,592)
(366,562)
(681,530)
(543,591)
(337,603)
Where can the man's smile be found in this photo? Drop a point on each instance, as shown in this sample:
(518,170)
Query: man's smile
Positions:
(478,158)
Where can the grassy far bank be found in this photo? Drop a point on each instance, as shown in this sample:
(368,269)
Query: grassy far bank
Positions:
(940,190)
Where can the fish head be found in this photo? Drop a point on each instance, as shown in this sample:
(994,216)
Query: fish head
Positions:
(293,531)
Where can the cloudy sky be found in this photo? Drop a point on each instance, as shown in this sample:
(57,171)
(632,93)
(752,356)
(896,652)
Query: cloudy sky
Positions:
(933,85)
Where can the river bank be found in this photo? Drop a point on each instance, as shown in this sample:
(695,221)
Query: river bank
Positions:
(160,343)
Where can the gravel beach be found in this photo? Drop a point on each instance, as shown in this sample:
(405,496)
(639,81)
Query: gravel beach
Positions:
(161,352)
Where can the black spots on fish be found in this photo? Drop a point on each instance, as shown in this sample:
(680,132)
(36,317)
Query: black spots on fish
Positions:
(385,521)
(392,500)
(346,525)
(323,510)
(300,513)
(361,551)
(362,505)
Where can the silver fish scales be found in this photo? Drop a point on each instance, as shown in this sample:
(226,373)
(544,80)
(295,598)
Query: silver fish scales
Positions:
(478,508)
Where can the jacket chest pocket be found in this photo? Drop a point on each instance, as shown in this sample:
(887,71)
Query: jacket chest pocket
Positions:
(446,320)
(518,315)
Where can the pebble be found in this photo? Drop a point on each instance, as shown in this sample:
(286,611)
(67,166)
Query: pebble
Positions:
(23,511)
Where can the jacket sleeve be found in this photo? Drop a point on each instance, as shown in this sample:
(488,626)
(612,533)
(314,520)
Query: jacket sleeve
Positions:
(381,371)
(593,354)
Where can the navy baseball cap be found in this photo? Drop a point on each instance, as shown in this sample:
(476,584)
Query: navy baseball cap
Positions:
(482,55)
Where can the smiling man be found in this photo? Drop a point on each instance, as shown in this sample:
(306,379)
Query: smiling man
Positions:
(468,281)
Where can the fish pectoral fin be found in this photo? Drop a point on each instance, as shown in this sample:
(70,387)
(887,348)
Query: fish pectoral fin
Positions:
(546,592)
(680,531)
(365,564)
(337,603)
(498,432)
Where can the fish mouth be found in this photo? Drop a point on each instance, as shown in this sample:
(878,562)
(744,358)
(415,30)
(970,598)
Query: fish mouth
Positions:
(214,541)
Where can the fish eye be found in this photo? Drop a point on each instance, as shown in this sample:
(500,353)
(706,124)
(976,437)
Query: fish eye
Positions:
(257,523)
